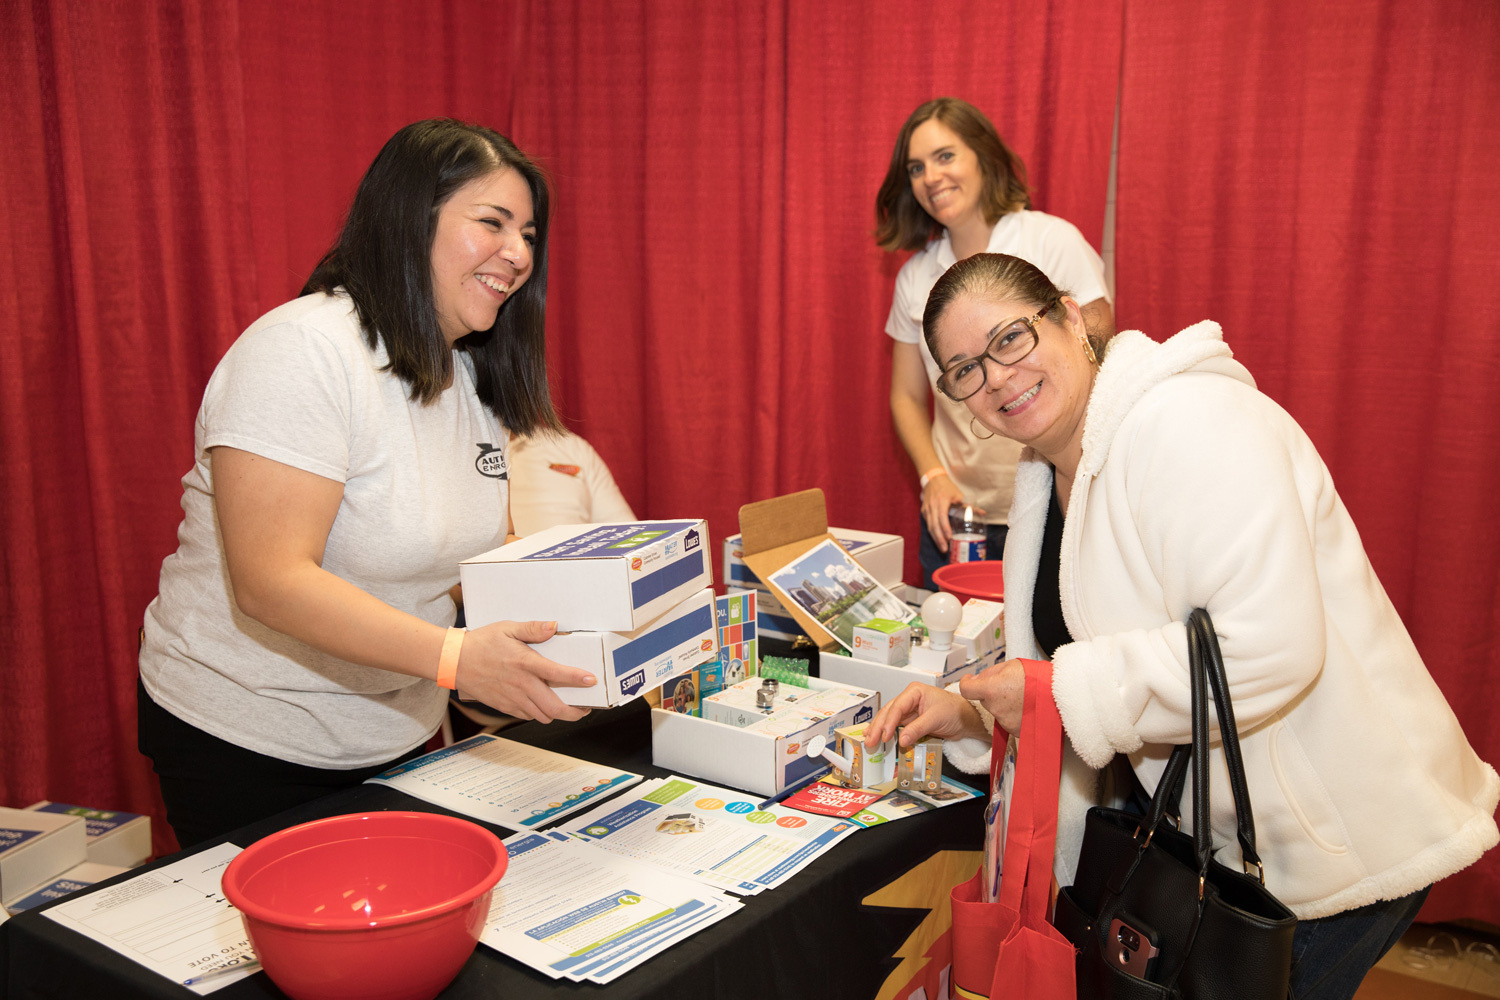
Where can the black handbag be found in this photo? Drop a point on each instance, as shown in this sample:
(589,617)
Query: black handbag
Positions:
(1151,912)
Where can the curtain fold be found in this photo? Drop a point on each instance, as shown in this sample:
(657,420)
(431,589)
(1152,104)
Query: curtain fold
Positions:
(1320,180)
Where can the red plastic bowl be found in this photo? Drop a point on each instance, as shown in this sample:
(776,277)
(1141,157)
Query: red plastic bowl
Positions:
(984,580)
(375,906)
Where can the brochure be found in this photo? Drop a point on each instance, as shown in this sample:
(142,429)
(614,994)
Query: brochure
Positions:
(571,910)
(510,784)
(717,835)
(829,798)
(903,803)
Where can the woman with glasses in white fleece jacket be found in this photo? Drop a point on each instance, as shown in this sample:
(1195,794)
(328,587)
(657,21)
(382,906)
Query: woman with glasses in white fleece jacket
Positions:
(1157,479)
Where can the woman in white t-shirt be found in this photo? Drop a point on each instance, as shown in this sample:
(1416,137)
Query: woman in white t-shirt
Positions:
(350,451)
(955,189)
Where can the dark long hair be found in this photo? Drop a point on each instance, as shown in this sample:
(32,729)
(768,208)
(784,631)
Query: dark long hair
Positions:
(383,259)
(901,223)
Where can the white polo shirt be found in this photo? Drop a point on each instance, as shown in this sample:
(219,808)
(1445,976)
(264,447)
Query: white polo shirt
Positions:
(985,469)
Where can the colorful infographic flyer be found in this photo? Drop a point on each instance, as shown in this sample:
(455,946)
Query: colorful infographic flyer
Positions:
(717,835)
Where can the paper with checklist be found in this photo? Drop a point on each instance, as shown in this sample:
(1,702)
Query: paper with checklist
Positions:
(570,910)
(175,921)
(716,835)
(510,784)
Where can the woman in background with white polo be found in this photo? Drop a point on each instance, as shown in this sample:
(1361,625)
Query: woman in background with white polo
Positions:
(955,189)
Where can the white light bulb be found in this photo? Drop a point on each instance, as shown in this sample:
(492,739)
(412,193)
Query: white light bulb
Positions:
(941,612)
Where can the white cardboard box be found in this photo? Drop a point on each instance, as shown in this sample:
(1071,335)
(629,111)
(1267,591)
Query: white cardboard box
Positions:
(739,758)
(75,878)
(113,837)
(36,847)
(891,681)
(628,664)
(982,630)
(880,555)
(600,577)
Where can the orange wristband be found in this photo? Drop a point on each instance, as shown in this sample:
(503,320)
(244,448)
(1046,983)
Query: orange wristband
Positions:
(447,675)
(931,474)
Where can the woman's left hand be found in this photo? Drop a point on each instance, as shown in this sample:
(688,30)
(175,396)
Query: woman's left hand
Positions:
(1001,690)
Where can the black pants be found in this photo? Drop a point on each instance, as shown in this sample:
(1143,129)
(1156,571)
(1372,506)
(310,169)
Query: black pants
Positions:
(212,787)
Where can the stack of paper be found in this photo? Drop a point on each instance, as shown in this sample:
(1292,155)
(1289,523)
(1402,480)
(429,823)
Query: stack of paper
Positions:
(510,784)
(716,835)
(568,909)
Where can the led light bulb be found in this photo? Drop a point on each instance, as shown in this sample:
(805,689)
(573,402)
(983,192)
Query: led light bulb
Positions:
(941,612)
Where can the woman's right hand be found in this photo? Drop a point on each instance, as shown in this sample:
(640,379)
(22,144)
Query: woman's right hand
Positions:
(498,667)
(923,710)
(938,495)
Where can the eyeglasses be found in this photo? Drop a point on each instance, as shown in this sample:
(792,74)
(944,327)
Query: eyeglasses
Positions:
(1011,344)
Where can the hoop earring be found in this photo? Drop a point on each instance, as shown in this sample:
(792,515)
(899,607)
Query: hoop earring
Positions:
(982,437)
(1088,349)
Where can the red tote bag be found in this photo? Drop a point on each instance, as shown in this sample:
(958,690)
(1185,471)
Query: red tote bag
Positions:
(1008,949)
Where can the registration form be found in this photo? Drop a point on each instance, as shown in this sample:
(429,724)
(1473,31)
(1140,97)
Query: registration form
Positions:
(173,920)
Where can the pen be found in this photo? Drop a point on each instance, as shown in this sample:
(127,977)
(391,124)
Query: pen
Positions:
(795,786)
(222,970)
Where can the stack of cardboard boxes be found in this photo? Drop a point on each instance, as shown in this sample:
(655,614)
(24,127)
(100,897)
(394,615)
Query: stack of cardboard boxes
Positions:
(50,849)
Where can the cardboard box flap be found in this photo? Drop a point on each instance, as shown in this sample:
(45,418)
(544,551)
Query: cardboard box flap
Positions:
(775,532)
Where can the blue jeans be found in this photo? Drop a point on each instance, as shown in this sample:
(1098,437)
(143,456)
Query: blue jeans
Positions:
(1331,955)
(931,558)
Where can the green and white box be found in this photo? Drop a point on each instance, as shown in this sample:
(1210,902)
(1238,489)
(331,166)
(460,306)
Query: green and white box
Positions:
(882,640)
(981,631)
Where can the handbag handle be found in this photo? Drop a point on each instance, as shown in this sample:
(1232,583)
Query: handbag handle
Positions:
(1210,663)
(1206,674)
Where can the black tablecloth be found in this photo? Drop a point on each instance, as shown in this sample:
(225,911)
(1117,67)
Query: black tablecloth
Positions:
(812,936)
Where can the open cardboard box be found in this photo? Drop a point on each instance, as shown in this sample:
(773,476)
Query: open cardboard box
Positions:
(740,758)
(774,533)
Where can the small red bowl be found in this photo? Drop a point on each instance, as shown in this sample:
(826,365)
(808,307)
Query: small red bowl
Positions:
(984,580)
(375,906)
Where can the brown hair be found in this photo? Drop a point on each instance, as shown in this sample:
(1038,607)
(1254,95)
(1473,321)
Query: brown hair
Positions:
(901,223)
(996,276)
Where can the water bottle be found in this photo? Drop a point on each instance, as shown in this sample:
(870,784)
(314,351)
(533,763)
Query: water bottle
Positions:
(968,535)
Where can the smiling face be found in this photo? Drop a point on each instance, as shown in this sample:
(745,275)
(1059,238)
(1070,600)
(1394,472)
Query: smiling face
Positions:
(1039,401)
(945,175)
(481,251)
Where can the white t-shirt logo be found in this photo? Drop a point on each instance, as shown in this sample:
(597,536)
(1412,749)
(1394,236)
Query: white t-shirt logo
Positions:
(491,462)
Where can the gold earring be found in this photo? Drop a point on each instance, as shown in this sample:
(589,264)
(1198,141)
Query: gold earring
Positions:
(982,437)
(1088,349)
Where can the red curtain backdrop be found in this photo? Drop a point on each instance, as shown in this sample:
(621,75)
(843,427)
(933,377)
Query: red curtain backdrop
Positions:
(716,302)
(1321,179)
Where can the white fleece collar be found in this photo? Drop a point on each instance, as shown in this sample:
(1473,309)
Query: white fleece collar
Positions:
(1133,365)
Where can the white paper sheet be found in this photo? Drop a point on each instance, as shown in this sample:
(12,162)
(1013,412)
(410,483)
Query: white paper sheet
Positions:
(568,909)
(509,784)
(175,921)
(715,834)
